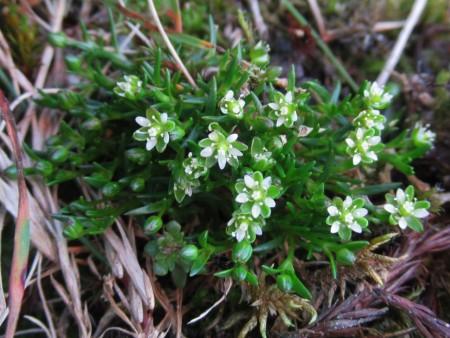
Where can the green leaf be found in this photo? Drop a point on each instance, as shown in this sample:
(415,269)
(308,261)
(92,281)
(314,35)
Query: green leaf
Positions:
(270,245)
(414,224)
(199,263)
(376,188)
(298,286)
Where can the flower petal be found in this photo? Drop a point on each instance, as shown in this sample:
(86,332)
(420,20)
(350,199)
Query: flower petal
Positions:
(249,181)
(333,211)
(390,208)
(166,137)
(289,97)
(420,213)
(402,223)
(214,136)
(347,202)
(142,121)
(207,152)
(350,142)
(356,227)
(242,198)
(231,138)
(256,210)
(357,213)
(163,118)
(335,227)
(273,106)
(269,202)
(229,95)
(374,140)
(234,152)
(266,183)
(356,159)
(280,121)
(222,159)
(151,143)
(400,196)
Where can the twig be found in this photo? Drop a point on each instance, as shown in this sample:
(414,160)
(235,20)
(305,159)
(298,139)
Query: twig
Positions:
(411,21)
(315,9)
(172,50)
(261,26)
(322,45)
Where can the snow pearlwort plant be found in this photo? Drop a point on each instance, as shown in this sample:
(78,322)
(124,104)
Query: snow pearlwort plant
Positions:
(243,165)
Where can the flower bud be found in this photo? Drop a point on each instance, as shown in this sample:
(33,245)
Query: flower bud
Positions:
(242,252)
(137,184)
(57,39)
(45,168)
(284,283)
(11,172)
(111,189)
(152,225)
(73,62)
(189,252)
(345,257)
(138,155)
(239,273)
(59,155)
(92,124)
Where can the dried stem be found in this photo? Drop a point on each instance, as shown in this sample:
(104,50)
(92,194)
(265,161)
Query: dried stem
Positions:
(169,45)
(393,59)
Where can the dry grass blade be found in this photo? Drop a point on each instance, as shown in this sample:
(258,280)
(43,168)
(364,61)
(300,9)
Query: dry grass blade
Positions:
(169,44)
(397,51)
(22,231)
(128,259)
(228,285)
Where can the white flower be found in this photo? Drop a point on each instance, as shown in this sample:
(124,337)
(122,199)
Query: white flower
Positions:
(347,216)
(370,118)
(283,109)
(155,130)
(376,97)
(256,194)
(232,107)
(129,88)
(363,145)
(194,167)
(246,227)
(221,149)
(422,135)
(405,210)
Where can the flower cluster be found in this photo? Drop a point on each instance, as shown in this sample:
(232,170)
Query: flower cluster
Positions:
(364,142)
(405,210)
(129,88)
(284,110)
(347,216)
(256,195)
(232,107)
(363,145)
(155,130)
(221,148)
